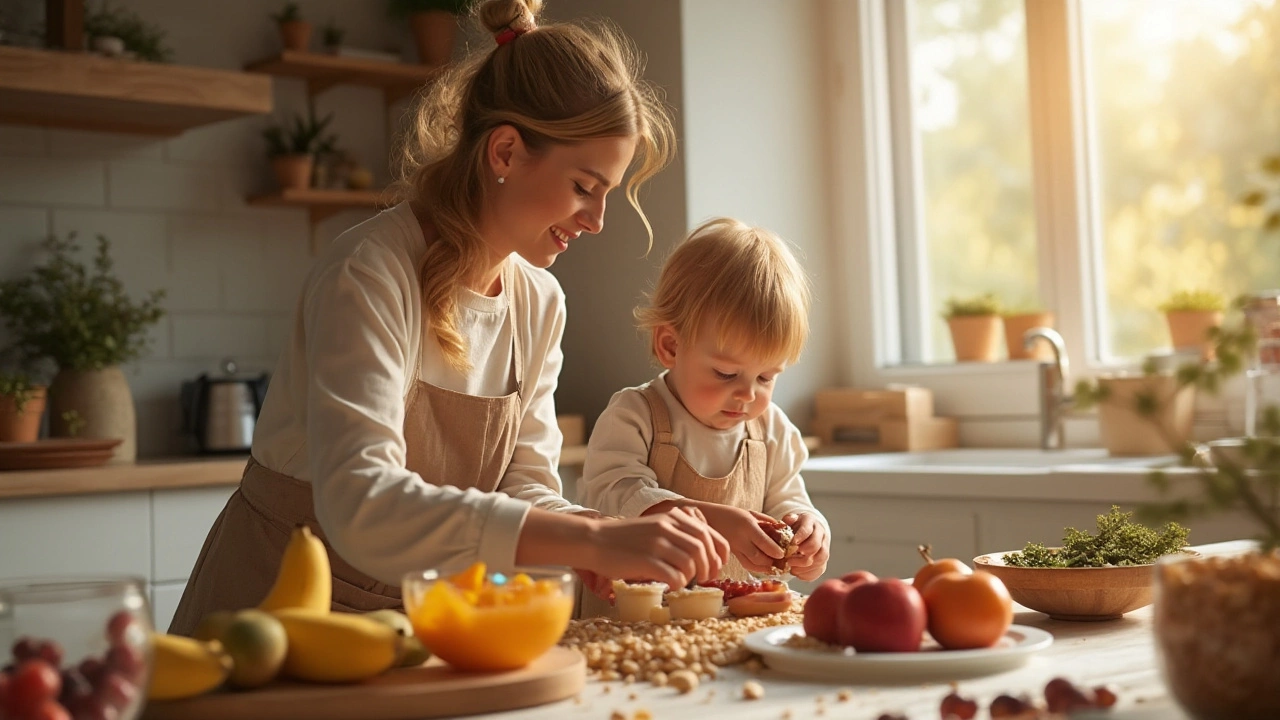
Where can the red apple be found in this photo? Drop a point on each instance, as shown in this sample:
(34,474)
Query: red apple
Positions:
(822,610)
(882,616)
(858,576)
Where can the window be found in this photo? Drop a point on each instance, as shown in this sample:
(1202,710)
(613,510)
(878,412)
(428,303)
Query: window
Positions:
(1152,118)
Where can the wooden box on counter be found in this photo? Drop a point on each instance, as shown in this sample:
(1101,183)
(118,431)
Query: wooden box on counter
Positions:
(897,419)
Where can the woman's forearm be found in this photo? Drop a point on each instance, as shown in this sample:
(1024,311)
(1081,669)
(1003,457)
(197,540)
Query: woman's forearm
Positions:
(549,538)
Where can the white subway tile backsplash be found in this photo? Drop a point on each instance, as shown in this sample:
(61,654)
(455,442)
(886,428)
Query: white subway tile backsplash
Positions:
(139,246)
(225,143)
(21,232)
(18,140)
(163,185)
(113,146)
(50,181)
(200,335)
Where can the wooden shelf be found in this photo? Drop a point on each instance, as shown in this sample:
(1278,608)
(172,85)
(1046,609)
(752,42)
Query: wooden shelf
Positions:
(322,203)
(89,92)
(322,72)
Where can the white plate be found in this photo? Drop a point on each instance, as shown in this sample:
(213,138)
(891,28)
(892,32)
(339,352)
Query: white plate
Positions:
(932,663)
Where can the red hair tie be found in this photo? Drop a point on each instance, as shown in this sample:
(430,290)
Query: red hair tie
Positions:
(508,35)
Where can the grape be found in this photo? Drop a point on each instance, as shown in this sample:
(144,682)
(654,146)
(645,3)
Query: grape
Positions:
(126,660)
(892,716)
(1104,697)
(33,683)
(50,651)
(120,627)
(74,688)
(93,670)
(24,649)
(50,710)
(1007,706)
(117,692)
(956,707)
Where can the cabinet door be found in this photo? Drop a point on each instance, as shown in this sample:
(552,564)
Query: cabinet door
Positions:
(182,521)
(76,535)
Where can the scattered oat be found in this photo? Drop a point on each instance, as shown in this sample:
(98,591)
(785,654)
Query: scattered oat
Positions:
(617,715)
(629,680)
(786,715)
(844,695)
(606,690)
(821,710)
(577,699)
(659,679)
(683,681)
(631,696)
(754,665)
(642,714)
(752,690)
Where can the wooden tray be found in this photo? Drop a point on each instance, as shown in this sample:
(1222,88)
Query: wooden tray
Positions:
(430,691)
(57,453)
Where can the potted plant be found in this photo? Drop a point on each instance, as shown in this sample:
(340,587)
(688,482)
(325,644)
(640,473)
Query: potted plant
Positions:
(117,31)
(292,148)
(1192,316)
(1217,619)
(434,26)
(21,407)
(295,33)
(975,327)
(1019,321)
(331,36)
(82,319)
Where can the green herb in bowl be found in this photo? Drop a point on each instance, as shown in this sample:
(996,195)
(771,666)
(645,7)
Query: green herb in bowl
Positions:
(1118,542)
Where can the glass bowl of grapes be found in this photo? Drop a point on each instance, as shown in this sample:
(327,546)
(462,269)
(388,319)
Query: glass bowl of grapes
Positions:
(74,649)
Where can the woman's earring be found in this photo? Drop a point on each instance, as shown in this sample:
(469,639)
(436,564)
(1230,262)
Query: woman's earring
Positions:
(501,179)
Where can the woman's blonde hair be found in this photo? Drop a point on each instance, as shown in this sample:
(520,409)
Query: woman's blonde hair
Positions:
(739,282)
(555,84)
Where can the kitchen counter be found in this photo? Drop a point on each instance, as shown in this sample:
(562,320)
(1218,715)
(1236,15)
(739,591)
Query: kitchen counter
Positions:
(1119,653)
(160,474)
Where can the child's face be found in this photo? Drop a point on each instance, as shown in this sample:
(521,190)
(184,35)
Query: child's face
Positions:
(721,387)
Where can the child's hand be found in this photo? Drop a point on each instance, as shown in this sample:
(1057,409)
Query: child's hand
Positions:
(751,545)
(813,546)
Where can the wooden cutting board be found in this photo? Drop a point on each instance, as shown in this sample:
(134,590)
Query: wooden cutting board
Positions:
(429,691)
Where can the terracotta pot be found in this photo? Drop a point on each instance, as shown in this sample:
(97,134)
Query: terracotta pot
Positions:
(293,172)
(975,337)
(296,35)
(1124,432)
(1217,632)
(434,32)
(1016,325)
(1190,329)
(101,399)
(25,426)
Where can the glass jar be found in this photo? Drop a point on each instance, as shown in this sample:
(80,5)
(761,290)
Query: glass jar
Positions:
(84,645)
(1263,312)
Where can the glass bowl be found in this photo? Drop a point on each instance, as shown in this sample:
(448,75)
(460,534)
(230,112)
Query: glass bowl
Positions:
(83,644)
(483,621)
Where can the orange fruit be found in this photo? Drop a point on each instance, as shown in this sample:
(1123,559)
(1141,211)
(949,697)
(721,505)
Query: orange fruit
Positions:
(967,611)
(933,568)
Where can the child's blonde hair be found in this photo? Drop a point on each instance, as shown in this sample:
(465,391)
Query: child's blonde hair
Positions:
(556,84)
(741,283)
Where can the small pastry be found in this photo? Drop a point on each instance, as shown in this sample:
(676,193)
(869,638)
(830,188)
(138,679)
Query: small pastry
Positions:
(634,600)
(696,603)
(782,534)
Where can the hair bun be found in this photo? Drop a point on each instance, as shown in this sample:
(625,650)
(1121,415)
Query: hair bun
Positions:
(499,16)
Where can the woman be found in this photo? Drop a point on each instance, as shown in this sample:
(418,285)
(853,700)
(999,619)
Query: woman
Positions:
(410,421)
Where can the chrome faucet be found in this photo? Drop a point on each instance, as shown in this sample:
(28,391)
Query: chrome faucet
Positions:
(1054,400)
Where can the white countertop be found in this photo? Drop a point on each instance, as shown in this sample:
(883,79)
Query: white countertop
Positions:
(1120,653)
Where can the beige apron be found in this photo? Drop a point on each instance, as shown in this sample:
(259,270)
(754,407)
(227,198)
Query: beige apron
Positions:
(744,487)
(467,439)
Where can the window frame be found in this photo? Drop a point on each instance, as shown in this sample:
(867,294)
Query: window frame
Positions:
(874,171)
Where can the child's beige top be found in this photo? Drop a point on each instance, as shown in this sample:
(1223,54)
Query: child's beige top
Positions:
(617,480)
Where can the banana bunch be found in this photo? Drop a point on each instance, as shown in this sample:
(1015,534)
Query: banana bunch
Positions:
(183,667)
(321,646)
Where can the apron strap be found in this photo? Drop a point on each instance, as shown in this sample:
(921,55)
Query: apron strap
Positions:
(663,455)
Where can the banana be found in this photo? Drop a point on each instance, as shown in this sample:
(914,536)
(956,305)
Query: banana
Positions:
(304,580)
(183,667)
(336,647)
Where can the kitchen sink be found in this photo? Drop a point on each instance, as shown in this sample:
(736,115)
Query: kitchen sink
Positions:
(998,461)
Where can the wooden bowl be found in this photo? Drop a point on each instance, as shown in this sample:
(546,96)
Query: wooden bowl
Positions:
(1089,594)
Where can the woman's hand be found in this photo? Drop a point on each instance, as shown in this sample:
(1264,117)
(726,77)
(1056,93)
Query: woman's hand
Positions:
(672,547)
(741,528)
(813,546)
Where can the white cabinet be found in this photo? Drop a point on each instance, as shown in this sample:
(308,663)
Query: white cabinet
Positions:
(76,535)
(154,535)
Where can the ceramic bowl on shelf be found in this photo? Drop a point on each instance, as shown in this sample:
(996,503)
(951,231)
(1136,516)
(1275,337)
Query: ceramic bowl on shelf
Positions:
(484,621)
(1090,594)
(81,644)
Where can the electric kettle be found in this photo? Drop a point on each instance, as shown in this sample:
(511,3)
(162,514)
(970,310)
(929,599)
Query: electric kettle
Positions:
(220,412)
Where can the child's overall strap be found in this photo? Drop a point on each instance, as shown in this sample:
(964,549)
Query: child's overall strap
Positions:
(662,454)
